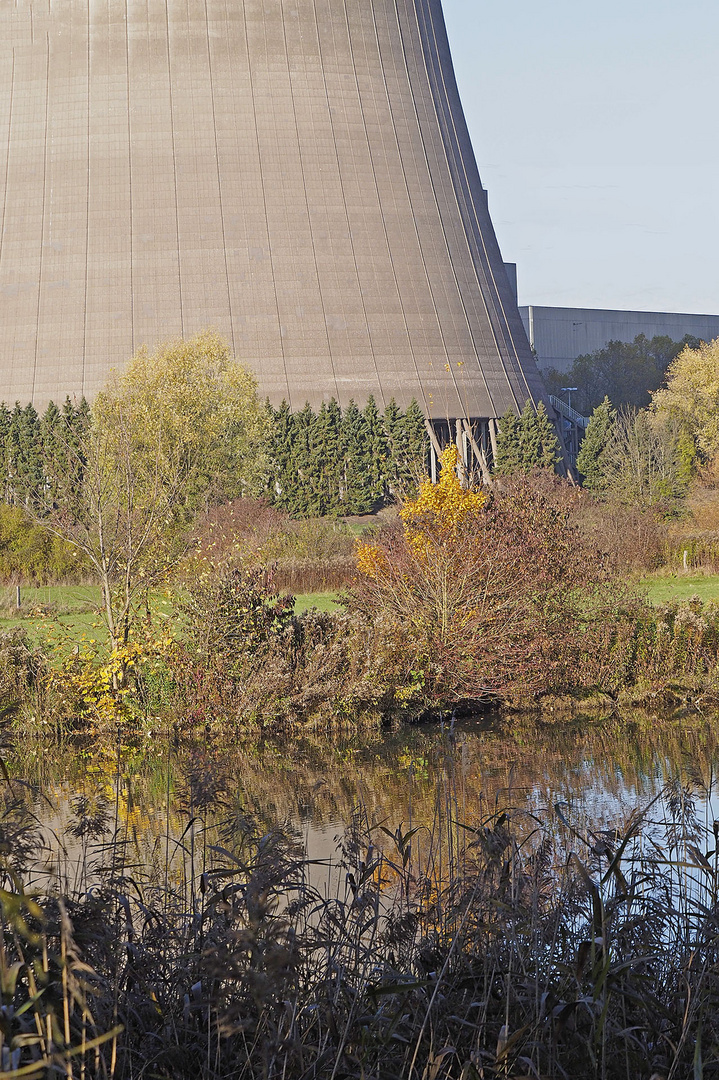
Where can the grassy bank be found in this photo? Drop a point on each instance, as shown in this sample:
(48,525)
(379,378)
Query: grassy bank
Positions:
(72,611)
(69,611)
(668,588)
(231,655)
(326,601)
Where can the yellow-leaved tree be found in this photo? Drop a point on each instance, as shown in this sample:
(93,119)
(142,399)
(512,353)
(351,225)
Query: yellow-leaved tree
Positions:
(189,416)
(181,426)
(435,526)
(441,510)
(435,518)
(690,397)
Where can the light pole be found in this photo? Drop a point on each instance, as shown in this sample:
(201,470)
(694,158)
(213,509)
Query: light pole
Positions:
(569,390)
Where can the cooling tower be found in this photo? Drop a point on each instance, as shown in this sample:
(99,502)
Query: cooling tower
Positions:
(294,173)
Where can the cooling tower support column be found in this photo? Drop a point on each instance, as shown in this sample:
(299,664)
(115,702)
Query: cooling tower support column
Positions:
(471,438)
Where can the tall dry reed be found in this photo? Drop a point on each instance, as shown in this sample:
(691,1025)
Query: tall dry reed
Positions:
(519,944)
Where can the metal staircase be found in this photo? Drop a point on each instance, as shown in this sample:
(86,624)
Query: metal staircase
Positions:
(573,426)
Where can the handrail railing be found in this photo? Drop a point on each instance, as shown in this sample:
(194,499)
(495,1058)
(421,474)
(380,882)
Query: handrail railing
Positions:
(568,412)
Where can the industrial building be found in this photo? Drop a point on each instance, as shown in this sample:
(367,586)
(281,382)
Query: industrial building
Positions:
(559,335)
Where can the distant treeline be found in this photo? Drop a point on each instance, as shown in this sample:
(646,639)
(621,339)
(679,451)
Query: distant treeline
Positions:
(625,372)
(347,462)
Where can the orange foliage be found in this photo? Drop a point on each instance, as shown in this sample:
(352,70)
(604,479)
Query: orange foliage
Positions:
(440,510)
(438,515)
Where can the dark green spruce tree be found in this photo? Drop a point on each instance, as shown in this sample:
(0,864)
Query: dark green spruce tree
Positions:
(356,482)
(54,451)
(545,444)
(326,465)
(5,422)
(76,420)
(281,481)
(508,457)
(526,442)
(597,436)
(82,415)
(300,495)
(377,451)
(394,427)
(26,466)
(407,446)
(416,445)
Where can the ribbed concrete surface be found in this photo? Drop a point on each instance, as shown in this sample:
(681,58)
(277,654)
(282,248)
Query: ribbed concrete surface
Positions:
(295,173)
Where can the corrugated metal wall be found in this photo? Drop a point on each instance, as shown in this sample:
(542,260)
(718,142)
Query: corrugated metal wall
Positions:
(560,335)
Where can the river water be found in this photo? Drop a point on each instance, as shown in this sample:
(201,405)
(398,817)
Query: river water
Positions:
(163,809)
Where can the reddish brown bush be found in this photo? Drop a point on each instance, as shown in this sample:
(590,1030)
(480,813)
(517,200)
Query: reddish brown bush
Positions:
(506,605)
(631,539)
(311,555)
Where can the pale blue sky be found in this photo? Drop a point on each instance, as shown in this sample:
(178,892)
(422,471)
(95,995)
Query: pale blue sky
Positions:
(596,132)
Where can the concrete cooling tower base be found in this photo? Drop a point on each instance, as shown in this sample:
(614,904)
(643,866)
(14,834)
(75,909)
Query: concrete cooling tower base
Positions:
(294,173)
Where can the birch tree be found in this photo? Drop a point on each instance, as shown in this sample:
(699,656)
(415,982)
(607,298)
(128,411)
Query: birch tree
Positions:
(179,428)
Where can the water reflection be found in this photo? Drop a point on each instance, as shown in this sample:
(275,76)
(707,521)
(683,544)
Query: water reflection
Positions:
(160,810)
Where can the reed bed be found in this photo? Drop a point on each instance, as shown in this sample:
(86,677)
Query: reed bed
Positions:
(517,944)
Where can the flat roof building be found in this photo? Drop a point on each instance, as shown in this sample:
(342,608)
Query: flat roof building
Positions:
(559,335)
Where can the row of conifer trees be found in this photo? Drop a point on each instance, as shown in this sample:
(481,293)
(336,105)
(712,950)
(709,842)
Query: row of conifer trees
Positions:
(39,453)
(350,462)
(344,461)
(319,463)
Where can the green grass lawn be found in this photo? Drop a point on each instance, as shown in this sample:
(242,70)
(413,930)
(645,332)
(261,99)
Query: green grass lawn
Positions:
(53,610)
(662,590)
(67,612)
(58,613)
(323,601)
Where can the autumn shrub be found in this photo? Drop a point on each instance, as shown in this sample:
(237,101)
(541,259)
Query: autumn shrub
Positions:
(493,595)
(627,539)
(631,539)
(679,644)
(30,553)
(217,530)
(240,651)
(21,665)
(696,532)
(232,613)
(95,686)
(242,656)
(313,555)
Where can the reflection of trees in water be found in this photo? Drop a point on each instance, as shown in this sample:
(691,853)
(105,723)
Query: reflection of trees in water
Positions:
(497,916)
(421,777)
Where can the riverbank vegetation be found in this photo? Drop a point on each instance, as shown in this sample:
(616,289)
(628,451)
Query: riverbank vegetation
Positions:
(449,599)
(466,601)
(185,931)
(472,939)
